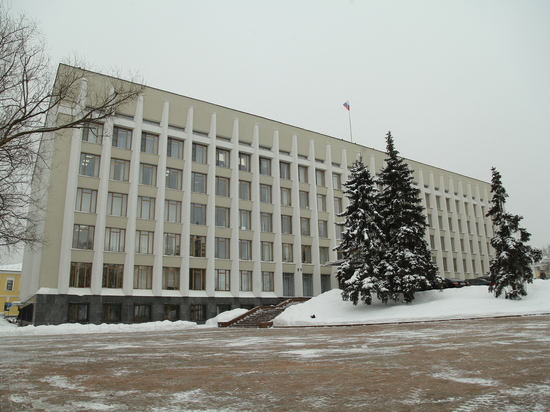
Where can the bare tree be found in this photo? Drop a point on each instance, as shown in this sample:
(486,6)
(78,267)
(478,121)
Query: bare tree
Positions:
(28,96)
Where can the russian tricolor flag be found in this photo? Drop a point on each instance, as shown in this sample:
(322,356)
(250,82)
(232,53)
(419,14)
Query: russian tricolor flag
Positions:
(346,105)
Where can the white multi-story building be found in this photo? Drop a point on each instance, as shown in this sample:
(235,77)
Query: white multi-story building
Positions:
(179,209)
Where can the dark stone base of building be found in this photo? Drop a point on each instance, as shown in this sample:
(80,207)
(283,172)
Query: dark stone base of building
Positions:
(58,309)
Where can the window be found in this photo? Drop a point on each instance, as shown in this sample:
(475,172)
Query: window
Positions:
(267,251)
(143,277)
(285,196)
(306,254)
(222,186)
(120,170)
(197,279)
(86,200)
(198,182)
(244,162)
(246,280)
(304,226)
(198,214)
(146,207)
(319,177)
(304,200)
(171,312)
(307,284)
(266,220)
(147,174)
(117,204)
(244,219)
(144,241)
(286,224)
(336,181)
(115,239)
(9,284)
(172,244)
(111,313)
(170,278)
(321,203)
(175,148)
(78,312)
(222,216)
(245,249)
(80,275)
(284,169)
(89,165)
(223,279)
(323,228)
(222,157)
(172,211)
(302,174)
(198,313)
(288,252)
(173,178)
(244,190)
(222,248)
(323,255)
(199,153)
(265,166)
(339,228)
(83,237)
(288,284)
(122,138)
(267,282)
(92,132)
(265,193)
(142,313)
(197,246)
(337,205)
(325,283)
(112,275)
(149,143)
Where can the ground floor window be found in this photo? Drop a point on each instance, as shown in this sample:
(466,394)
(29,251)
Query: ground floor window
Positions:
(222,308)
(171,312)
(112,313)
(198,313)
(78,312)
(307,281)
(142,313)
(325,283)
(222,279)
(288,284)
(197,279)
(246,280)
(267,282)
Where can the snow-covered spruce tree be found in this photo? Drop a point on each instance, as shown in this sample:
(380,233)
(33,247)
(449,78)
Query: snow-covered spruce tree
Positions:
(406,265)
(362,238)
(510,267)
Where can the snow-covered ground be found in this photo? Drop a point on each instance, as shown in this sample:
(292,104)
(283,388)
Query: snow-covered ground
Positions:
(329,309)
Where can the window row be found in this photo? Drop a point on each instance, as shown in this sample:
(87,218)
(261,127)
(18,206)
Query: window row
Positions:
(115,241)
(81,274)
(120,171)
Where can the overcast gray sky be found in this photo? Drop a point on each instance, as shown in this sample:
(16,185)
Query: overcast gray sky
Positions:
(462,85)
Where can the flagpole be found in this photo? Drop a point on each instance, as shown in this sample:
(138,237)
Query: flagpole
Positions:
(348,108)
(350,132)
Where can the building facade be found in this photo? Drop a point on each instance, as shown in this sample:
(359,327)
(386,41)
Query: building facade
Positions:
(10,276)
(179,209)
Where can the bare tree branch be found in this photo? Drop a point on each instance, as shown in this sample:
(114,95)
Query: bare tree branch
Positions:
(28,94)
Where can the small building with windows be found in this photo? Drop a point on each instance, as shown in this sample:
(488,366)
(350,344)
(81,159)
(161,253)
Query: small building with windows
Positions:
(10,279)
(180,209)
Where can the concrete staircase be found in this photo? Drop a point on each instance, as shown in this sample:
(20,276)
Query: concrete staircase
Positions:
(260,316)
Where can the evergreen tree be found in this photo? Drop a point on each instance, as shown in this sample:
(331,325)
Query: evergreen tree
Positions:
(510,267)
(361,239)
(406,265)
